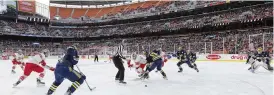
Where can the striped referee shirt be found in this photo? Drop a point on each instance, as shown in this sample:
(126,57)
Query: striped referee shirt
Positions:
(120,51)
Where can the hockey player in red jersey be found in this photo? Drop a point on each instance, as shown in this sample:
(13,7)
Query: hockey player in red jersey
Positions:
(36,63)
(17,60)
(138,62)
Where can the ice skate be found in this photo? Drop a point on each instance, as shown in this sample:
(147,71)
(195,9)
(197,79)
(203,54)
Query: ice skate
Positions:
(13,72)
(180,70)
(18,82)
(165,77)
(68,92)
(40,83)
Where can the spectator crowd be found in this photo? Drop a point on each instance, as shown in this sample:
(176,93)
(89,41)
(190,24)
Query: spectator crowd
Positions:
(228,41)
(251,13)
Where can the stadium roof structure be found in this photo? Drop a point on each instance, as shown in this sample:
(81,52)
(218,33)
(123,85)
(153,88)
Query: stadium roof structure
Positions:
(86,2)
(90,3)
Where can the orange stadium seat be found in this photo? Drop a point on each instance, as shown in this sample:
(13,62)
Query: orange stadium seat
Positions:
(65,12)
(135,6)
(78,13)
(104,11)
(150,3)
(163,2)
(126,7)
(119,9)
(92,12)
(98,12)
(53,12)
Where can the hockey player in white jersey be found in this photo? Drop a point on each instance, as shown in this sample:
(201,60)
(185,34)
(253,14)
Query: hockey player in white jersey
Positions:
(17,61)
(138,62)
(36,63)
(260,58)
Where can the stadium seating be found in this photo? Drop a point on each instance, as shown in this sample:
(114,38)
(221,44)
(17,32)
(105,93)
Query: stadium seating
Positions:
(228,41)
(139,9)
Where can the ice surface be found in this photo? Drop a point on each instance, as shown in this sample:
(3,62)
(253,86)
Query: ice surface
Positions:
(214,78)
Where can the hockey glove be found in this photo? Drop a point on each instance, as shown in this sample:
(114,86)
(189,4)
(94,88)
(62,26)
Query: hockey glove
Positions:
(43,63)
(165,60)
(49,67)
(129,65)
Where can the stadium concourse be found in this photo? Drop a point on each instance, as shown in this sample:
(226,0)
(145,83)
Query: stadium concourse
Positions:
(226,47)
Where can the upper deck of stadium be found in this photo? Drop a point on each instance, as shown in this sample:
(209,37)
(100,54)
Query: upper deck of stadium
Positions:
(112,9)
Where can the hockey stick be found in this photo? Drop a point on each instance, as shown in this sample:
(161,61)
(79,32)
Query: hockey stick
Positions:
(86,80)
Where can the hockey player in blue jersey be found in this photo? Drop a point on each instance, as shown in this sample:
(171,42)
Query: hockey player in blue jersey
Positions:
(260,56)
(154,60)
(192,58)
(64,70)
(186,57)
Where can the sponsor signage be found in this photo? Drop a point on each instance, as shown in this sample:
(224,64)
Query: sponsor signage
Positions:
(239,57)
(26,6)
(222,57)
(213,57)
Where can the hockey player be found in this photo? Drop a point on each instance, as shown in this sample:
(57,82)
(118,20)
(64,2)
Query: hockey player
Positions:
(110,58)
(65,69)
(36,63)
(257,58)
(192,57)
(139,63)
(155,60)
(18,60)
(164,57)
(186,57)
(250,52)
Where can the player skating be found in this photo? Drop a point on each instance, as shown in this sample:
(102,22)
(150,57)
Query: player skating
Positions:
(164,57)
(36,63)
(109,59)
(192,57)
(154,60)
(17,60)
(65,70)
(138,62)
(260,58)
(186,57)
(251,52)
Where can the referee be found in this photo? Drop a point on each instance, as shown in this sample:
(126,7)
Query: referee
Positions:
(117,60)
(96,57)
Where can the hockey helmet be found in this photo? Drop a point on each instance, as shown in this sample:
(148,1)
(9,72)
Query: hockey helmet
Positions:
(20,51)
(146,53)
(180,48)
(72,50)
(260,49)
(46,52)
(134,55)
(188,51)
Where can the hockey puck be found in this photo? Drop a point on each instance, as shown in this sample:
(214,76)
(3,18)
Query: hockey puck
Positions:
(145,85)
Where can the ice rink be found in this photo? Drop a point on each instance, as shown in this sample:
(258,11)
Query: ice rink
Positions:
(214,78)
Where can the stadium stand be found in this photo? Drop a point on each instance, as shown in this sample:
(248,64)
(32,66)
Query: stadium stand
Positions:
(227,41)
